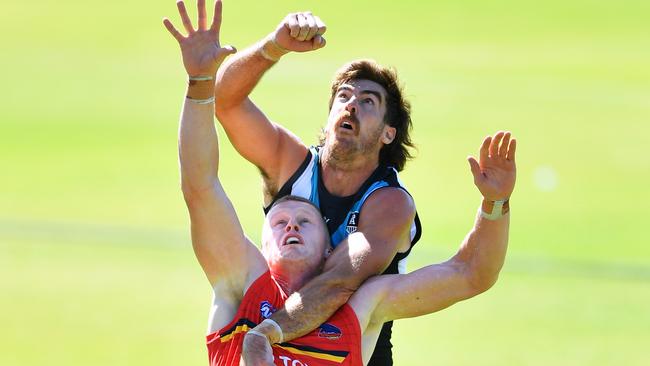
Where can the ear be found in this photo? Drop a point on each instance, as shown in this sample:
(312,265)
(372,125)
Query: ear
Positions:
(388,135)
(328,252)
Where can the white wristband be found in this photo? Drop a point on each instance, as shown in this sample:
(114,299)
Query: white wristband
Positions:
(267,56)
(272,43)
(497,210)
(200,78)
(277,327)
(201,101)
(254,332)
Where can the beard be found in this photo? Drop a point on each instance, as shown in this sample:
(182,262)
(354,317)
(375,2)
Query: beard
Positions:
(346,150)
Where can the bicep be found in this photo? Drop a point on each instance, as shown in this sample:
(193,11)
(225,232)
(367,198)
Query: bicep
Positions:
(384,226)
(218,240)
(269,146)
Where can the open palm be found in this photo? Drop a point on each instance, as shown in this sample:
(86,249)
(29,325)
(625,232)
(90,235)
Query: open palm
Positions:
(495,171)
(201,50)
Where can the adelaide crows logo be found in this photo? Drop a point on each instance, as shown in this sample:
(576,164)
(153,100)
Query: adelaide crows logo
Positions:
(351,225)
(266,309)
(329,331)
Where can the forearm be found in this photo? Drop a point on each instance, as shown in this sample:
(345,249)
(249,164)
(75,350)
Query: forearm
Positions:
(238,77)
(484,249)
(197,141)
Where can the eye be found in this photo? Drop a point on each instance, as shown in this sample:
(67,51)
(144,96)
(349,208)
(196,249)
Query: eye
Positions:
(304,221)
(281,222)
(343,96)
(369,101)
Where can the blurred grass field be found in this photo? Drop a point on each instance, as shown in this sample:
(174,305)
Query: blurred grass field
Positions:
(95,261)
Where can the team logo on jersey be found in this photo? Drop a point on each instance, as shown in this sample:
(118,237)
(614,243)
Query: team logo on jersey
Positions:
(329,331)
(351,225)
(266,309)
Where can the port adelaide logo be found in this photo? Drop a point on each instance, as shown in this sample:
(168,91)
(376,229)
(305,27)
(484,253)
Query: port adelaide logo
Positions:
(351,225)
(266,309)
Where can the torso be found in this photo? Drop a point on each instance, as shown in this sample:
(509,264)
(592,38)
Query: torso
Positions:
(336,342)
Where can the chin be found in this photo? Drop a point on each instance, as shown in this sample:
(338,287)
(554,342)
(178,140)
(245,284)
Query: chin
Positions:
(342,149)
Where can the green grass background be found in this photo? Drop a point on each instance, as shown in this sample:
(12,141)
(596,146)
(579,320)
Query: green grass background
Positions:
(96,266)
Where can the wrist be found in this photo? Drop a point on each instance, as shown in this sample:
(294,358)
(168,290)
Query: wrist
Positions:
(271,330)
(271,50)
(495,209)
(200,89)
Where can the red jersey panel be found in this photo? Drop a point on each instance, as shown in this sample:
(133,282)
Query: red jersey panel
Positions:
(336,342)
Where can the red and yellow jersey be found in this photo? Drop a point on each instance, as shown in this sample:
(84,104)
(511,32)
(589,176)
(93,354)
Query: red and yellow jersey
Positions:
(336,342)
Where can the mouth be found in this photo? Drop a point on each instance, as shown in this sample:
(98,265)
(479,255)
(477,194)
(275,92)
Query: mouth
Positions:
(348,122)
(346,125)
(292,239)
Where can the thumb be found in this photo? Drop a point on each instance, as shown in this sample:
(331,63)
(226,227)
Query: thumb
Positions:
(474,167)
(228,50)
(224,52)
(318,42)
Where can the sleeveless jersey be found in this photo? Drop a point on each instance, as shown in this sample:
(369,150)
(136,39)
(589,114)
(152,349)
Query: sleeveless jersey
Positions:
(307,182)
(337,342)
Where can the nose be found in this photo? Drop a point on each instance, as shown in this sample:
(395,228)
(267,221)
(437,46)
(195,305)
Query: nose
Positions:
(292,226)
(351,106)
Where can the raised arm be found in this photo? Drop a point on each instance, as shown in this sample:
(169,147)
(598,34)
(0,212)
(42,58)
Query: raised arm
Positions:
(215,226)
(473,270)
(272,148)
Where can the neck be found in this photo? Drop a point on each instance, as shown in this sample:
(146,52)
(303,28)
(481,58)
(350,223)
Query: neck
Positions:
(291,280)
(344,177)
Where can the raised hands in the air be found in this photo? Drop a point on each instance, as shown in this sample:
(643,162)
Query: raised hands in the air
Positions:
(495,171)
(201,50)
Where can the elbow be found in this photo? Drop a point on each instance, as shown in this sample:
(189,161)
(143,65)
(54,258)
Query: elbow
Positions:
(481,282)
(194,193)
(339,288)
(190,195)
(223,110)
(220,109)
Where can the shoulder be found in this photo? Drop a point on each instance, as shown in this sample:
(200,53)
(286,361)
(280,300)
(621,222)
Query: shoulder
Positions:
(389,201)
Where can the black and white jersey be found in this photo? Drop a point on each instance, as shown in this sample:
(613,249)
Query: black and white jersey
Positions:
(341,214)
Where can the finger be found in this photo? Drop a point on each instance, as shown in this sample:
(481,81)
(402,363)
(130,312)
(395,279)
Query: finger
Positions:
(494,146)
(321,26)
(292,23)
(184,17)
(203,22)
(216,19)
(170,27)
(313,28)
(503,149)
(304,27)
(485,149)
(511,150)
(474,167)
(318,42)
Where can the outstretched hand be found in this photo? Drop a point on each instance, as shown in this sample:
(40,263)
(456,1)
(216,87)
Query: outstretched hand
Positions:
(300,32)
(495,171)
(201,50)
